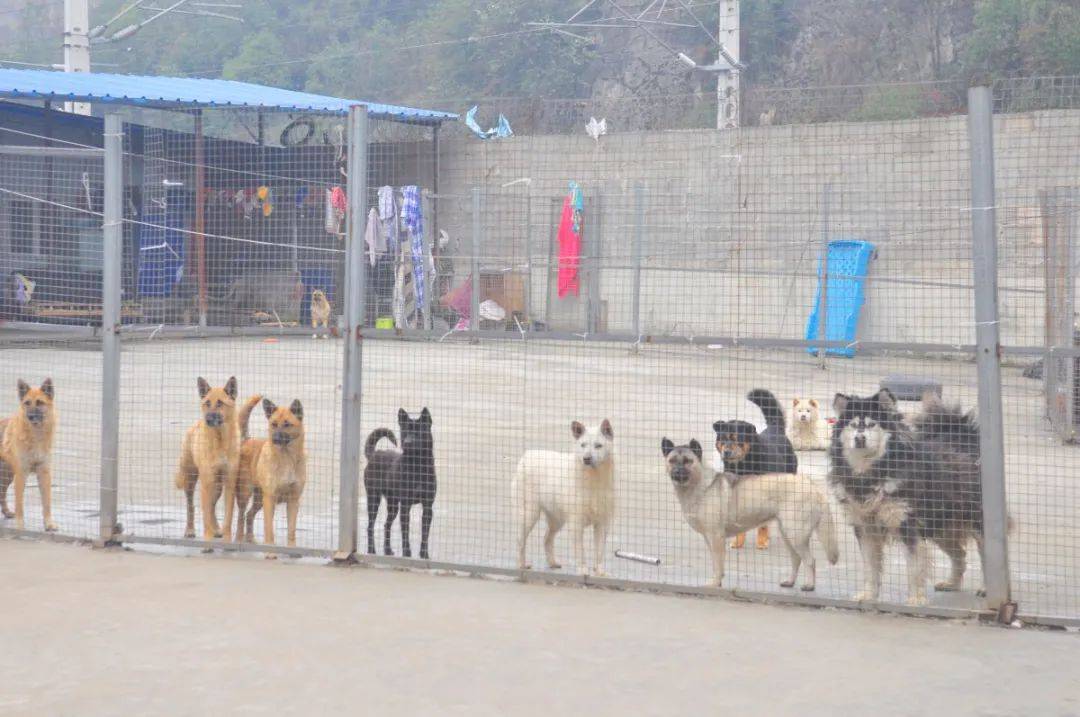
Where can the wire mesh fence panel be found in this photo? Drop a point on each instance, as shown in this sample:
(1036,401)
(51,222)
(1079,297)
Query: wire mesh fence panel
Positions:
(1038,188)
(51,193)
(234,267)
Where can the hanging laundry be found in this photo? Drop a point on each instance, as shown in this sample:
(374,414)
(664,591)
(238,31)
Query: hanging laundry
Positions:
(500,131)
(413,219)
(388,215)
(570,241)
(336,203)
(373,237)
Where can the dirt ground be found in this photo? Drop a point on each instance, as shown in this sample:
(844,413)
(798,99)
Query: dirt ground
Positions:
(93,632)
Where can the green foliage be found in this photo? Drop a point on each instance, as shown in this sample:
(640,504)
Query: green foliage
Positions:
(1025,37)
(888,103)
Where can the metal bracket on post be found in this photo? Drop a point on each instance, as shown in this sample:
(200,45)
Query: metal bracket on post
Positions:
(988,360)
(355,287)
(112,266)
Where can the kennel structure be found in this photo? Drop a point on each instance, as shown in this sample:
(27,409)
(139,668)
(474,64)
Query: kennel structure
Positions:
(233,195)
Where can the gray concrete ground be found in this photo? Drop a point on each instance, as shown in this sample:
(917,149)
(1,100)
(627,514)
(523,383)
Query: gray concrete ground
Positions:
(91,632)
(492,401)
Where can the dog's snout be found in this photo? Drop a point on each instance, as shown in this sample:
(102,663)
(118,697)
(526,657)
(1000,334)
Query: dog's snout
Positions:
(587,460)
(680,474)
(860,440)
(214,419)
(35,415)
(281,438)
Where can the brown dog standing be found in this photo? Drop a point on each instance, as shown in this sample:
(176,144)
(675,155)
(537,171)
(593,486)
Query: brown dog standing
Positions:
(274,470)
(26,440)
(210,456)
(320,313)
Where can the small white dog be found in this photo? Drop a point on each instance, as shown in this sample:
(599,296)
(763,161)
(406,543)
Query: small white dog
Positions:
(807,430)
(716,509)
(576,488)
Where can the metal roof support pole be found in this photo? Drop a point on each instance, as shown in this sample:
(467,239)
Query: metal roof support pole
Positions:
(352,372)
(200,214)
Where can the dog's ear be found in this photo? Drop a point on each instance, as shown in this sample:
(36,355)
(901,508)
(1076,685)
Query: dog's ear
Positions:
(886,399)
(24,388)
(425,416)
(718,427)
(666,446)
(47,388)
(402,416)
(794,402)
(931,401)
(605,428)
(230,388)
(268,407)
(297,409)
(577,429)
(840,402)
(204,387)
(813,402)
(696,448)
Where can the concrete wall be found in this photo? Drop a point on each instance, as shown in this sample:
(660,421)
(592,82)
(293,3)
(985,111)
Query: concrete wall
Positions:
(734,221)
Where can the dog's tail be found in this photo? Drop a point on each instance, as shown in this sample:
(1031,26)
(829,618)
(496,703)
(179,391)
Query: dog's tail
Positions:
(949,425)
(377,435)
(770,407)
(826,531)
(245,415)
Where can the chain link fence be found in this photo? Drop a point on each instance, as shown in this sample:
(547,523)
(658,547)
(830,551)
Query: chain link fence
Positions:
(483,296)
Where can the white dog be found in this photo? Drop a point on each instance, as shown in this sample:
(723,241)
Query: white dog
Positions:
(807,430)
(717,509)
(576,488)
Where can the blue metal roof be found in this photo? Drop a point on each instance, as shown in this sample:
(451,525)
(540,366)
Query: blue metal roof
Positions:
(188,92)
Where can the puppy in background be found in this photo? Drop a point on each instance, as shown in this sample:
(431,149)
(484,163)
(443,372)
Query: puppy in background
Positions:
(320,314)
(275,471)
(210,457)
(26,439)
(807,430)
(717,508)
(747,452)
(576,488)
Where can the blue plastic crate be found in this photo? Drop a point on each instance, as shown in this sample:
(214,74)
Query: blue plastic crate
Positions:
(848,266)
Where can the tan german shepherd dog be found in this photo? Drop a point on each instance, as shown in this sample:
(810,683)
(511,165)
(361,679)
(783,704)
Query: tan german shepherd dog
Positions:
(272,470)
(320,313)
(210,457)
(26,439)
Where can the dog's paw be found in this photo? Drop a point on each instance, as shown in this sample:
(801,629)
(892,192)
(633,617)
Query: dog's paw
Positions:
(916,600)
(945,586)
(207,551)
(555,566)
(217,534)
(808,588)
(7,513)
(388,551)
(424,555)
(524,566)
(599,572)
(50,526)
(981,592)
(189,534)
(314,336)
(865,596)
(271,556)
(787,583)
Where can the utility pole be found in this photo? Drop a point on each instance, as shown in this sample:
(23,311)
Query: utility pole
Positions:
(727,82)
(77,45)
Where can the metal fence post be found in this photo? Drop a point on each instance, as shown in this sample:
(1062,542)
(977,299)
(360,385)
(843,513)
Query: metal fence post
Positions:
(639,232)
(474,303)
(987,337)
(112,268)
(823,276)
(355,286)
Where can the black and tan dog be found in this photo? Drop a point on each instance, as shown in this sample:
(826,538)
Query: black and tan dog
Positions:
(403,478)
(272,470)
(210,457)
(26,440)
(747,452)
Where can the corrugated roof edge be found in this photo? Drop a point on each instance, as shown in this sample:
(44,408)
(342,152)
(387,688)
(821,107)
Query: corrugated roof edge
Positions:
(191,92)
